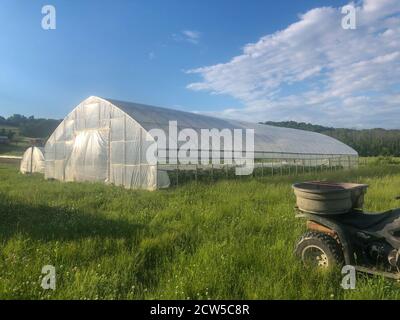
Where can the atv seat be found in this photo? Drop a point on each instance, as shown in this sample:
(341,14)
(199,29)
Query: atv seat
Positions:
(362,220)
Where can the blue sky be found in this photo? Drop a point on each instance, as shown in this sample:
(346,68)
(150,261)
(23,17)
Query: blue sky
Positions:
(167,53)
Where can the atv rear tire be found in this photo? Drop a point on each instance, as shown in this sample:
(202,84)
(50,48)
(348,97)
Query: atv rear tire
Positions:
(319,250)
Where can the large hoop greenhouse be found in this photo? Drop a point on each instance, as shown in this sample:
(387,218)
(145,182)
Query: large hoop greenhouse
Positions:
(108,141)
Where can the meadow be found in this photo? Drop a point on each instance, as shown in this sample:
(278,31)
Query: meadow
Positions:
(231,239)
(17,146)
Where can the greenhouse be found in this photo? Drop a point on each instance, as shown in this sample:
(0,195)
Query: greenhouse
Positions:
(108,141)
(33,161)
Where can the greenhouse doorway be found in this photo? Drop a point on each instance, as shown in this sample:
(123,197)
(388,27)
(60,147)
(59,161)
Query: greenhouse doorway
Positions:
(89,157)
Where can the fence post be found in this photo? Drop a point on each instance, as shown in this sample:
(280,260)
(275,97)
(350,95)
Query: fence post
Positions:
(272,167)
(262,169)
(177,173)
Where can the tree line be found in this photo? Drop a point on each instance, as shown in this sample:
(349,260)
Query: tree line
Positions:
(367,142)
(28,126)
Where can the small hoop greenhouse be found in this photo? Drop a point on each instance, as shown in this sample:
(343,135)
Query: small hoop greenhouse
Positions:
(33,161)
(108,141)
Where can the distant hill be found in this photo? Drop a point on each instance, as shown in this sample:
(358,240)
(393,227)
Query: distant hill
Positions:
(367,142)
(27,126)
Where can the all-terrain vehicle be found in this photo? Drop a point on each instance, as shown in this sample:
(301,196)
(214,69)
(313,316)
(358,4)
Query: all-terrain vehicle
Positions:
(340,232)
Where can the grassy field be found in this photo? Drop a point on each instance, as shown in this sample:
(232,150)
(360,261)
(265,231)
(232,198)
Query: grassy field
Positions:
(18,146)
(14,148)
(11,128)
(226,240)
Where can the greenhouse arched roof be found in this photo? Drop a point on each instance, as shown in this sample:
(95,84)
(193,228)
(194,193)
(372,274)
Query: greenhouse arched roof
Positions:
(268,139)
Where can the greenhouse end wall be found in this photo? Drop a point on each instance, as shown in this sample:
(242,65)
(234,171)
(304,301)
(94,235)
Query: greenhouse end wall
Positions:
(98,142)
(33,161)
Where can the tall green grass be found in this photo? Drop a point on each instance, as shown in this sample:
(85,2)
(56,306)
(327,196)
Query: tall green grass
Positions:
(224,240)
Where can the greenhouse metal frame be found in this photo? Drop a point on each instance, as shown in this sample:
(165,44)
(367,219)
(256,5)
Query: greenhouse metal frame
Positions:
(106,140)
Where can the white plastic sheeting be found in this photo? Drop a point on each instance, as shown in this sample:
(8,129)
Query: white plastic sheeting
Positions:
(33,161)
(107,140)
(99,142)
(267,139)
(88,158)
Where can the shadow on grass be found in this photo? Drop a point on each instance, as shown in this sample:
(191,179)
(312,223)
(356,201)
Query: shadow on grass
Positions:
(153,247)
(47,223)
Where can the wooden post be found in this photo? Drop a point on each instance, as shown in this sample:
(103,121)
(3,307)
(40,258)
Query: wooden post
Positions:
(124,150)
(262,169)
(177,173)
(31,160)
(108,147)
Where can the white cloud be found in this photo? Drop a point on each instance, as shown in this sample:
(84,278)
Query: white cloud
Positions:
(316,71)
(190,36)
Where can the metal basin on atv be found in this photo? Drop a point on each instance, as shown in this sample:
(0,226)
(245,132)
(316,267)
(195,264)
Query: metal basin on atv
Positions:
(321,197)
